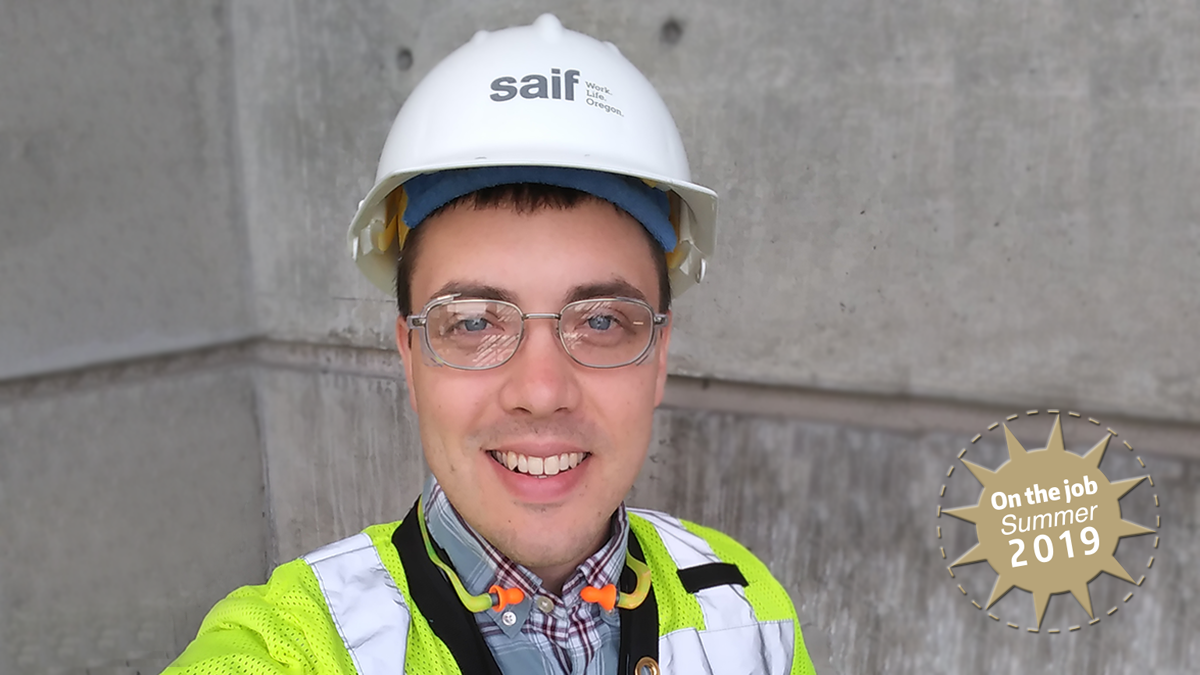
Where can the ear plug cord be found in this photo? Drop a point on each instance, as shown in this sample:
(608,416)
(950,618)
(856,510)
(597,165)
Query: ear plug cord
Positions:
(496,598)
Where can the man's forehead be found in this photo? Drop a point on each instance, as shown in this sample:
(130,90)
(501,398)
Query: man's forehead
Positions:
(547,256)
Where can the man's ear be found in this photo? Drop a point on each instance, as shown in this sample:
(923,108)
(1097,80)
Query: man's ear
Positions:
(664,341)
(407,357)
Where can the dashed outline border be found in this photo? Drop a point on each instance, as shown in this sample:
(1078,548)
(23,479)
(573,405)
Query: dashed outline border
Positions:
(1157,521)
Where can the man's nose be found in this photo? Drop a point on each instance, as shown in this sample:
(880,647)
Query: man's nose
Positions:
(541,378)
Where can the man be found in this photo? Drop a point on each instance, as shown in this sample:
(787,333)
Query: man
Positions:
(533,213)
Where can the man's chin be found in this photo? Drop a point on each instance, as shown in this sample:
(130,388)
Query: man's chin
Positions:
(550,552)
(540,536)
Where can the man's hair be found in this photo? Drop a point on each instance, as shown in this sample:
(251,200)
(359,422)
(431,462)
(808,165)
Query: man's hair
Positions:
(522,198)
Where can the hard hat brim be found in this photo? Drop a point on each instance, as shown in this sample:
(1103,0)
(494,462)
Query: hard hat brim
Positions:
(696,227)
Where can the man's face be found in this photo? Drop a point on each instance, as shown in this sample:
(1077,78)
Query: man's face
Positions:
(540,403)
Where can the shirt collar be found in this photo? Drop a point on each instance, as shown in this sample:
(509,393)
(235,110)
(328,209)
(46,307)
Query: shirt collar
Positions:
(480,565)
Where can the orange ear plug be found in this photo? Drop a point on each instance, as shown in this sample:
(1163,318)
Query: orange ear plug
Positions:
(503,597)
(605,597)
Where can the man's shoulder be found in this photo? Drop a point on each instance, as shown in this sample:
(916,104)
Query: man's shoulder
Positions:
(691,545)
(378,536)
(681,534)
(259,627)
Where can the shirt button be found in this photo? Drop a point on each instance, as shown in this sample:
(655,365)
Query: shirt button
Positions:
(508,618)
(545,604)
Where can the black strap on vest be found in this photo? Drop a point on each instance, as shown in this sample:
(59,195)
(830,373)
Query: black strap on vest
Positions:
(438,603)
(639,626)
(455,625)
(701,577)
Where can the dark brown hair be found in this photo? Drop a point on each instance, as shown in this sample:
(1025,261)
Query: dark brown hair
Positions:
(522,198)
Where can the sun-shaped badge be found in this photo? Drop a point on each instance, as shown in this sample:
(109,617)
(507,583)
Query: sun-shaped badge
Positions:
(1048,521)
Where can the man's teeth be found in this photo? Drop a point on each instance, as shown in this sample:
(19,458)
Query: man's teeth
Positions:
(539,466)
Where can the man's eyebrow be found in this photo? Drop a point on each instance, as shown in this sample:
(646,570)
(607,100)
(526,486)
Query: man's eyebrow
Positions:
(615,288)
(469,289)
(604,289)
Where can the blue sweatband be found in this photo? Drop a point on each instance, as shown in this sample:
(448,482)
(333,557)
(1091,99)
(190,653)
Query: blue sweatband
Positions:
(649,206)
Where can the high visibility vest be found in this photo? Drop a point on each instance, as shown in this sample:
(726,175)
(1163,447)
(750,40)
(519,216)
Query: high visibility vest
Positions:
(374,604)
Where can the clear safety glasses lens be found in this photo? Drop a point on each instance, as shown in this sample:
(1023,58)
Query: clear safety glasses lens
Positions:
(479,334)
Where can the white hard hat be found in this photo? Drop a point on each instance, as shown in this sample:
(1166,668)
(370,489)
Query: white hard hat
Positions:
(537,95)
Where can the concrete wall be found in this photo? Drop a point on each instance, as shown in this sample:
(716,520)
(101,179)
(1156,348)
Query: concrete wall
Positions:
(932,212)
(131,496)
(131,499)
(121,232)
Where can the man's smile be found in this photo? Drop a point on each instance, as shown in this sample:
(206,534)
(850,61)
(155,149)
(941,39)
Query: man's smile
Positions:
(541,472)
(538,466)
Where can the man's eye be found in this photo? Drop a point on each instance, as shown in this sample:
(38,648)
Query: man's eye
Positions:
(473,324)
(600,322)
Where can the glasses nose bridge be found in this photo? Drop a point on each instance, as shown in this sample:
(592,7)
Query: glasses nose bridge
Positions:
(555,328)
(556,316)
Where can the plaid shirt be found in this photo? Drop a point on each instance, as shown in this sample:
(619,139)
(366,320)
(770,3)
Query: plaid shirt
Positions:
(575,637)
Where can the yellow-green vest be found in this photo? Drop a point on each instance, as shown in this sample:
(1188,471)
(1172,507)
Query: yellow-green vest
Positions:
(347,609)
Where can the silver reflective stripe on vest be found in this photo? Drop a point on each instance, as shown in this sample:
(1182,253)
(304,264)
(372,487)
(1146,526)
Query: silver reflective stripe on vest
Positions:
(367,608)
(723,606)
(758,649)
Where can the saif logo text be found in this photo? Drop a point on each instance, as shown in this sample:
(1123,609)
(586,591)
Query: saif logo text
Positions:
(557,86)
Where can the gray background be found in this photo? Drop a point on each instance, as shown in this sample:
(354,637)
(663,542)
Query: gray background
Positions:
(935,214)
